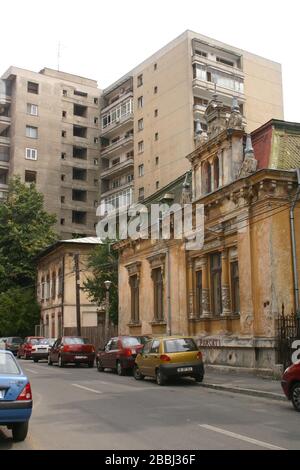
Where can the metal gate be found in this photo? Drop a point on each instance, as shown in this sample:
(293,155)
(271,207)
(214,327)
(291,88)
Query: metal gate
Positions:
(288,330)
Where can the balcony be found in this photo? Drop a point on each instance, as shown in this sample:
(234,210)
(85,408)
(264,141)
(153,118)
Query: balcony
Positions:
(204,89)
(4,140)
(5,122)
(117,169)
(218,65)
(5,92)
(113,147)
(108,192)
(122,98)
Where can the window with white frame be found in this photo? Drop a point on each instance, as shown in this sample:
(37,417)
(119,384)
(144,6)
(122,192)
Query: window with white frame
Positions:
(140,124)
(140,102)
(32,109)
(141,170)
(115,114)
(31,154)
(32,132)
(141,146)
(119,200)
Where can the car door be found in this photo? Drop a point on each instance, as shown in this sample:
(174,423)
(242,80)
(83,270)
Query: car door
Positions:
(104,356)
(145,358)
(113,353)
(154,357)
(55,350)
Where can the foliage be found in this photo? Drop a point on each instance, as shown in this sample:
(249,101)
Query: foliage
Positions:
(103,263)
(19,312)
(25,229)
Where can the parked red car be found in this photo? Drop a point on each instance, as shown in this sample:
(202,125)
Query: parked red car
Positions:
(72,349)
(291,384)
(120,352)
(24,350)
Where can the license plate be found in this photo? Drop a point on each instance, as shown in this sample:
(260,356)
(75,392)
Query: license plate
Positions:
(80,357)
(1,394)
(185,369)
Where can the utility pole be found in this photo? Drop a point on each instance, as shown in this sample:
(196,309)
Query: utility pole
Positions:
(77,289)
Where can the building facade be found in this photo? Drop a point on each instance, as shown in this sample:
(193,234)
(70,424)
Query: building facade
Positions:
(49,135)
(149,116)
(56,281)
(229,292)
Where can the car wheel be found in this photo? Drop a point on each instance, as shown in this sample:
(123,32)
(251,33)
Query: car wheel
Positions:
(100,367)
(137,373)
(19,431)
(50,363)
(91,364)
(120,370)
(60,362)
(35,360)
(295,395)
(160,378)
(199,378)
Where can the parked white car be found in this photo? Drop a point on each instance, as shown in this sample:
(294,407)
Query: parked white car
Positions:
(41,349)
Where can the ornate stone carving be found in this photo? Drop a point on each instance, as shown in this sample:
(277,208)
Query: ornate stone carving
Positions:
(226,303)
(249,164)
(205,303)
(235,120)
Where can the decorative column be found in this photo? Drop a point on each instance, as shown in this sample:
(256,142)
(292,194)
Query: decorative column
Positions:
(205,290)
(191,302)
(225,288)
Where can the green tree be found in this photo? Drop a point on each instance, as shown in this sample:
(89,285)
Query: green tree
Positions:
(19,312)
(103,263)
(25,229)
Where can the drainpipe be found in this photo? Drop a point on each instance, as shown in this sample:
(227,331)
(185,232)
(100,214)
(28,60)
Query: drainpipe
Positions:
(169,326)
(63,298)
(294,252)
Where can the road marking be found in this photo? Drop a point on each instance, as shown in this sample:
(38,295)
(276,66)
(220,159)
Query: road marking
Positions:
(266,445)
(32,371)
(86,388)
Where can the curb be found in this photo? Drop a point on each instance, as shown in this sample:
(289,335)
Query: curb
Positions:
(245,391)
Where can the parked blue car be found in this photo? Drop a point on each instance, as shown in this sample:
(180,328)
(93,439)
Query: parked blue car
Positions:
(15,397)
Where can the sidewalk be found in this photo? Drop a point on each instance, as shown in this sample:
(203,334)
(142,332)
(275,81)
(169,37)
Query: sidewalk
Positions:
(245,384)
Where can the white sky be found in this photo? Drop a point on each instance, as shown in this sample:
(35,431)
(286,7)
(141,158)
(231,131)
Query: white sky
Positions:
(105,39)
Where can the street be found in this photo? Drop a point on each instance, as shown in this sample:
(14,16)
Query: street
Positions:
(80,408)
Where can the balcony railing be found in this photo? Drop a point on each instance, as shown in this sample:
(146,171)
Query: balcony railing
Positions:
(122,142)
(115,169)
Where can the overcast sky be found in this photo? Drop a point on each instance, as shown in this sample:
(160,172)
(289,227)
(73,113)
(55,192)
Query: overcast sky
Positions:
(105,39)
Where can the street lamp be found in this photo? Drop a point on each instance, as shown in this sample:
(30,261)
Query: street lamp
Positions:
(107,287)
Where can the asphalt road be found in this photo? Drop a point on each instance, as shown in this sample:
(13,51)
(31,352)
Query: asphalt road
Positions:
(80,408)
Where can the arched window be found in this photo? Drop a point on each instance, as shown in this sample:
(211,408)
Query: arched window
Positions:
(60,282)
(216,173)
(206,177)
(53,286)
(48,287)
(43,288)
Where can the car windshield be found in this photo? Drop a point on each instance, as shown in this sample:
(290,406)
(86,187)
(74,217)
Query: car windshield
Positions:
(130,341)
(46,341)
(16,340)
(76,341)
(34,341)
(8,365)
(180,345)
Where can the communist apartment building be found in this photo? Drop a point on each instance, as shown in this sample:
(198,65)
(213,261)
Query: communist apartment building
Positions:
(149,116)
(49,135)
(81,146)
